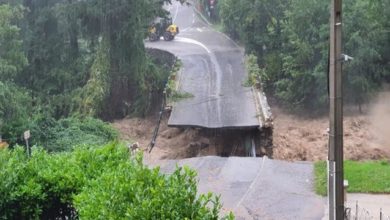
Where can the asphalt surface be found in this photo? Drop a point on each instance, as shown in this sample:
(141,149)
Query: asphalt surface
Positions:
(256,188)
(213,72)
(252,188)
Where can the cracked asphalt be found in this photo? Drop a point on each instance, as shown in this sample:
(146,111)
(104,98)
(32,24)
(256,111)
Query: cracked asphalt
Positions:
(256,188)
(213,72)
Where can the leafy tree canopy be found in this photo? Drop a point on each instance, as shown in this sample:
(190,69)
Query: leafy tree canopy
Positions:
(290,40)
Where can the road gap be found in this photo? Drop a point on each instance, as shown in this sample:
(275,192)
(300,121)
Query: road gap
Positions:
(228,142)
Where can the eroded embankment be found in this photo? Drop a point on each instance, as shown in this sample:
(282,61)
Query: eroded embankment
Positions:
(366,135)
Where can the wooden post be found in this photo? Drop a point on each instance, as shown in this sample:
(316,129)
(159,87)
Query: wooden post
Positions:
(335,157)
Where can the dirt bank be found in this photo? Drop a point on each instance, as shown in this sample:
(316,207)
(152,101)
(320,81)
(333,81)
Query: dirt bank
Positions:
(172,143)
(366,136)
(175,143)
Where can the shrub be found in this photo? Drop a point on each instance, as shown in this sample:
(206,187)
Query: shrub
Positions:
(255,73)
(97,183)
(64,134)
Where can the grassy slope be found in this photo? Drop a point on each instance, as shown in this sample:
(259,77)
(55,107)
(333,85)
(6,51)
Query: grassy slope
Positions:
(363,176)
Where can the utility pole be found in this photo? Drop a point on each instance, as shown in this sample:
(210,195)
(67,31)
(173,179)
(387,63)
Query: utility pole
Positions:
(335,157)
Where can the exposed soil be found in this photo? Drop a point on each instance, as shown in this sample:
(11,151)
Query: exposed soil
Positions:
(366,136)
(177,143)
(171,143)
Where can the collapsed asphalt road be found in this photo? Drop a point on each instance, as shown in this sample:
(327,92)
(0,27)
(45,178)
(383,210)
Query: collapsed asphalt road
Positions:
(213,72)
(256,188)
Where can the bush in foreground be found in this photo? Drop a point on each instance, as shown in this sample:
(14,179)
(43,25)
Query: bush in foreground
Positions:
(96,183)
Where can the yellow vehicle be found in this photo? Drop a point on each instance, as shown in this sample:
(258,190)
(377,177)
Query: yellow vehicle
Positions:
(163,27)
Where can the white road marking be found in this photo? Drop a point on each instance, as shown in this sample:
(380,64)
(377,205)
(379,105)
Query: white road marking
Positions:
(191,41)
(200,30)
(252,184)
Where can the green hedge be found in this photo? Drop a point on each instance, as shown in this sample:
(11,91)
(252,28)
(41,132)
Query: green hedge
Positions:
(96,183)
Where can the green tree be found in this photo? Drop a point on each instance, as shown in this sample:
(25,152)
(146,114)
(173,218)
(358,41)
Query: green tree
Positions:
(65,41)
(367,40)
(14,112)
(303,81)
(258,24)
(231,13)
(76,58)
(14,101)
(290,40)
(12,58)
(127,80)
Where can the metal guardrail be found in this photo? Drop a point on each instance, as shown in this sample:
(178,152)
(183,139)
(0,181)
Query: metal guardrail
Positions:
(360,213)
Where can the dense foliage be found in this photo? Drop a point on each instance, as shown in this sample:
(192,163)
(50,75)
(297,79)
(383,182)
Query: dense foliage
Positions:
(254,71)
(14,111)
(64,134)
(88,57)
(12,58)
(96,183)
(63,64)
(290,40)
(62,59)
